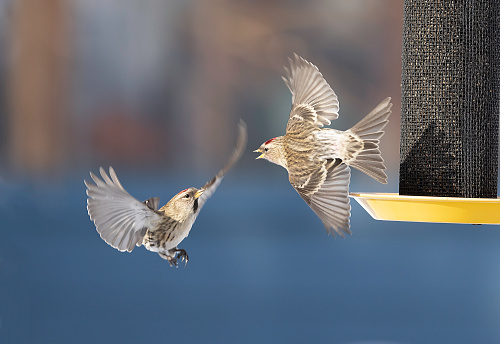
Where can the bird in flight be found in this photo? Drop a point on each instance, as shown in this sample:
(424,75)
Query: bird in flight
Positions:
(125,222)
(317,159)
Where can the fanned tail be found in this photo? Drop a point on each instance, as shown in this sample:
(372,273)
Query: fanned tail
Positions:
(363,150)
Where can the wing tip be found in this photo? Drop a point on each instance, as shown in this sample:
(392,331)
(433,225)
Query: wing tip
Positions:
(340,229)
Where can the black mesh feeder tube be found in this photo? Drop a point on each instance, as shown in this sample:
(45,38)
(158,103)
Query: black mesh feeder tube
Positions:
(450,105)
(450,98)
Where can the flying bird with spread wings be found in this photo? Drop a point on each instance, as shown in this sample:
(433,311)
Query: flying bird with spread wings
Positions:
(124,222)
(317,159)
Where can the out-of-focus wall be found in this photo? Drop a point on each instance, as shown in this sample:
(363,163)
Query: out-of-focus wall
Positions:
(163,83)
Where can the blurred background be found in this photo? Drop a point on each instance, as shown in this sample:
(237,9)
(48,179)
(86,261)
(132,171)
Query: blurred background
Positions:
(155,89)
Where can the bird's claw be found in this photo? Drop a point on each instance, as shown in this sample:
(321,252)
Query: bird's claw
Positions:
(172,259)
(182,255)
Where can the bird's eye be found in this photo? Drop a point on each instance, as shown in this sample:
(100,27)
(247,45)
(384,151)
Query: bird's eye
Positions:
(266,149)
(187,196)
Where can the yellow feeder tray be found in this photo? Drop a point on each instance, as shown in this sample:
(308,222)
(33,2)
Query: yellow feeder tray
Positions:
(395,207)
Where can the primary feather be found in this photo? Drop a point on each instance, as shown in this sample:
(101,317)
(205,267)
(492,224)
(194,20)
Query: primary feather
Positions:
(120,219)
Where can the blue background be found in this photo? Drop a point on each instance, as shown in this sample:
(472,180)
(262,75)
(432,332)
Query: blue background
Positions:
(261,269)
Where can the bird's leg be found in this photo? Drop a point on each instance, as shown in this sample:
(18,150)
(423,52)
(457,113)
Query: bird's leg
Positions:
(182,254)
(171,259)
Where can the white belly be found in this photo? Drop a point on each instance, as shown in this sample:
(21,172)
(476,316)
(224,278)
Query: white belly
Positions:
(331,143)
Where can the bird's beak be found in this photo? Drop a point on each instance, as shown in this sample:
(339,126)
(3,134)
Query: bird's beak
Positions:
(259,151)
(198,193)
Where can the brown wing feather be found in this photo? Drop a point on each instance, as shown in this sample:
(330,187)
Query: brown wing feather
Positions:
(120,219)
(326,191)
(214,183)
(313,100)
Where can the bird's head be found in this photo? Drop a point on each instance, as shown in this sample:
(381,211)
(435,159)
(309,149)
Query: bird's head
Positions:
(271,150)
(184,204)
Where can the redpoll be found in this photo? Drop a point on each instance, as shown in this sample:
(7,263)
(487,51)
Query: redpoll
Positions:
(317,158)
(124,222)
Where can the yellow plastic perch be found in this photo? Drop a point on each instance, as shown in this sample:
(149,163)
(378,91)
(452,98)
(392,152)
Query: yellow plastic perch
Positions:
(395,207)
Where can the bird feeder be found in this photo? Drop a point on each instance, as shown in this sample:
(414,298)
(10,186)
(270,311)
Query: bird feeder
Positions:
(450,106)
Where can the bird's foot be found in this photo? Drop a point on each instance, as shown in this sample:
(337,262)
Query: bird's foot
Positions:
(170,258)
(172,261)
(182,255)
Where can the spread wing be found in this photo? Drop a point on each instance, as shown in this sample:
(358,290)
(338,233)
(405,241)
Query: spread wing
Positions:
(213,184)
(313,100)
(325,189)
(120,219)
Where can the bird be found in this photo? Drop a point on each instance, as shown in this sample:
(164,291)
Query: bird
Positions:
(318,159)
(125,222)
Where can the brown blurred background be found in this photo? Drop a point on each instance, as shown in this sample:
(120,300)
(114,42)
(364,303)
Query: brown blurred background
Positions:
(162,83)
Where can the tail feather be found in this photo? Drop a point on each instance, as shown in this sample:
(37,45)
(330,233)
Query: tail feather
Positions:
(367,134)
(375,121)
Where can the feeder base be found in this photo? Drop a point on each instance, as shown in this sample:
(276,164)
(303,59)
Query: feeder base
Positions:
(395,207)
